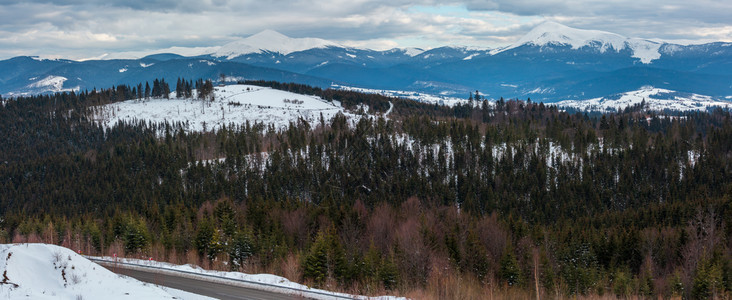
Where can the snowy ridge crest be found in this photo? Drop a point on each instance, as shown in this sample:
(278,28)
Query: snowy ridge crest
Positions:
(552,33)
(270,41)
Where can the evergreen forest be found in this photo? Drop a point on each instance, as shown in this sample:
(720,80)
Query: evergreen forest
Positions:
(495,199)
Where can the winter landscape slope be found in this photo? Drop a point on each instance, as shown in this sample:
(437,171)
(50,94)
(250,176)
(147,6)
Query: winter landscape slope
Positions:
(654,99)
(41,271)
(550,63)
(232,104)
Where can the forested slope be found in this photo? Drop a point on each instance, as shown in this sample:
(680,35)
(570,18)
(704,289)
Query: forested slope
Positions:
(509,198)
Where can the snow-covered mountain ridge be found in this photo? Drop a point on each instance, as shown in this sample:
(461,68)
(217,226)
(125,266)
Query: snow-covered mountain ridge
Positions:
(552,33)
(270,41)
(550,63)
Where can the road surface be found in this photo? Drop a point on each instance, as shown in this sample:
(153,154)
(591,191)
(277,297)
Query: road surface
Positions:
(205,288)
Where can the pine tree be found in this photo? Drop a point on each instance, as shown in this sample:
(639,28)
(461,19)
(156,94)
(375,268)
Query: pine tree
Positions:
(147,90)
(204,236)
(316,262)
(509,271)
(241,249)
(179,89)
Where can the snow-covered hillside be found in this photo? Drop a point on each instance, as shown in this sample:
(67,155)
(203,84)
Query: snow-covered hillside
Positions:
(271,41)
(235,104)
(656,99)
(552,33)
(417,96)
(41,271)
(48,84)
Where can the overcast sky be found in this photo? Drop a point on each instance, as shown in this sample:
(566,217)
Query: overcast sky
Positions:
(80,29)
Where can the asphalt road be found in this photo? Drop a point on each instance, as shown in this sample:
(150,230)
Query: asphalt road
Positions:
(205,288)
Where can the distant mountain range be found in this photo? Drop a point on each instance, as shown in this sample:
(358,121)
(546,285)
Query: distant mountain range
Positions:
(551,63)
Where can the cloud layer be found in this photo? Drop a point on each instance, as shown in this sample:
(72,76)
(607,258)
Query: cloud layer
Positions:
(85,28)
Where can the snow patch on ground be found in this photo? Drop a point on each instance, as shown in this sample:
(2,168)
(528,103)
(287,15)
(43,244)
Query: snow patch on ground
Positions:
(55,83)
(413,51)
(417,96)
(235,104)
(657,99)
(51,83)
(41,271)
(469,57)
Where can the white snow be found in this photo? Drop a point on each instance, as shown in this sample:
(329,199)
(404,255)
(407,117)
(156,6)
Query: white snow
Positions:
(272,41)
(123,70)
(144,65)
(50,84)
(413,51)
(42,271)
(657,99)
(417,96)
(552,33)
(469,57)
(53,82)
(541,91)
(232,104)
(279,281)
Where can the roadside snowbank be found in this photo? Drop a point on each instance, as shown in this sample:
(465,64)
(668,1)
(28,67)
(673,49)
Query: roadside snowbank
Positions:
(42,271)
(274,283)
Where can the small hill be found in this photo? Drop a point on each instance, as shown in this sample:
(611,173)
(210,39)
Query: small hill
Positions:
(42,271)
(233,104)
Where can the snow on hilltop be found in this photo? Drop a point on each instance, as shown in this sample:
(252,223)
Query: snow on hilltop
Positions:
(657,99)
(552,33)
(235,104)
(272,41)
(50,84)
(41,271)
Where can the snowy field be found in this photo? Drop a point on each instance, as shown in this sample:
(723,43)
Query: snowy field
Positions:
(657,100)
(41,271)
(235,104)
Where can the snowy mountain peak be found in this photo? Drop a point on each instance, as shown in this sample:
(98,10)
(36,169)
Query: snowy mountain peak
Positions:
(270,41)
(553,33)
(268,34)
